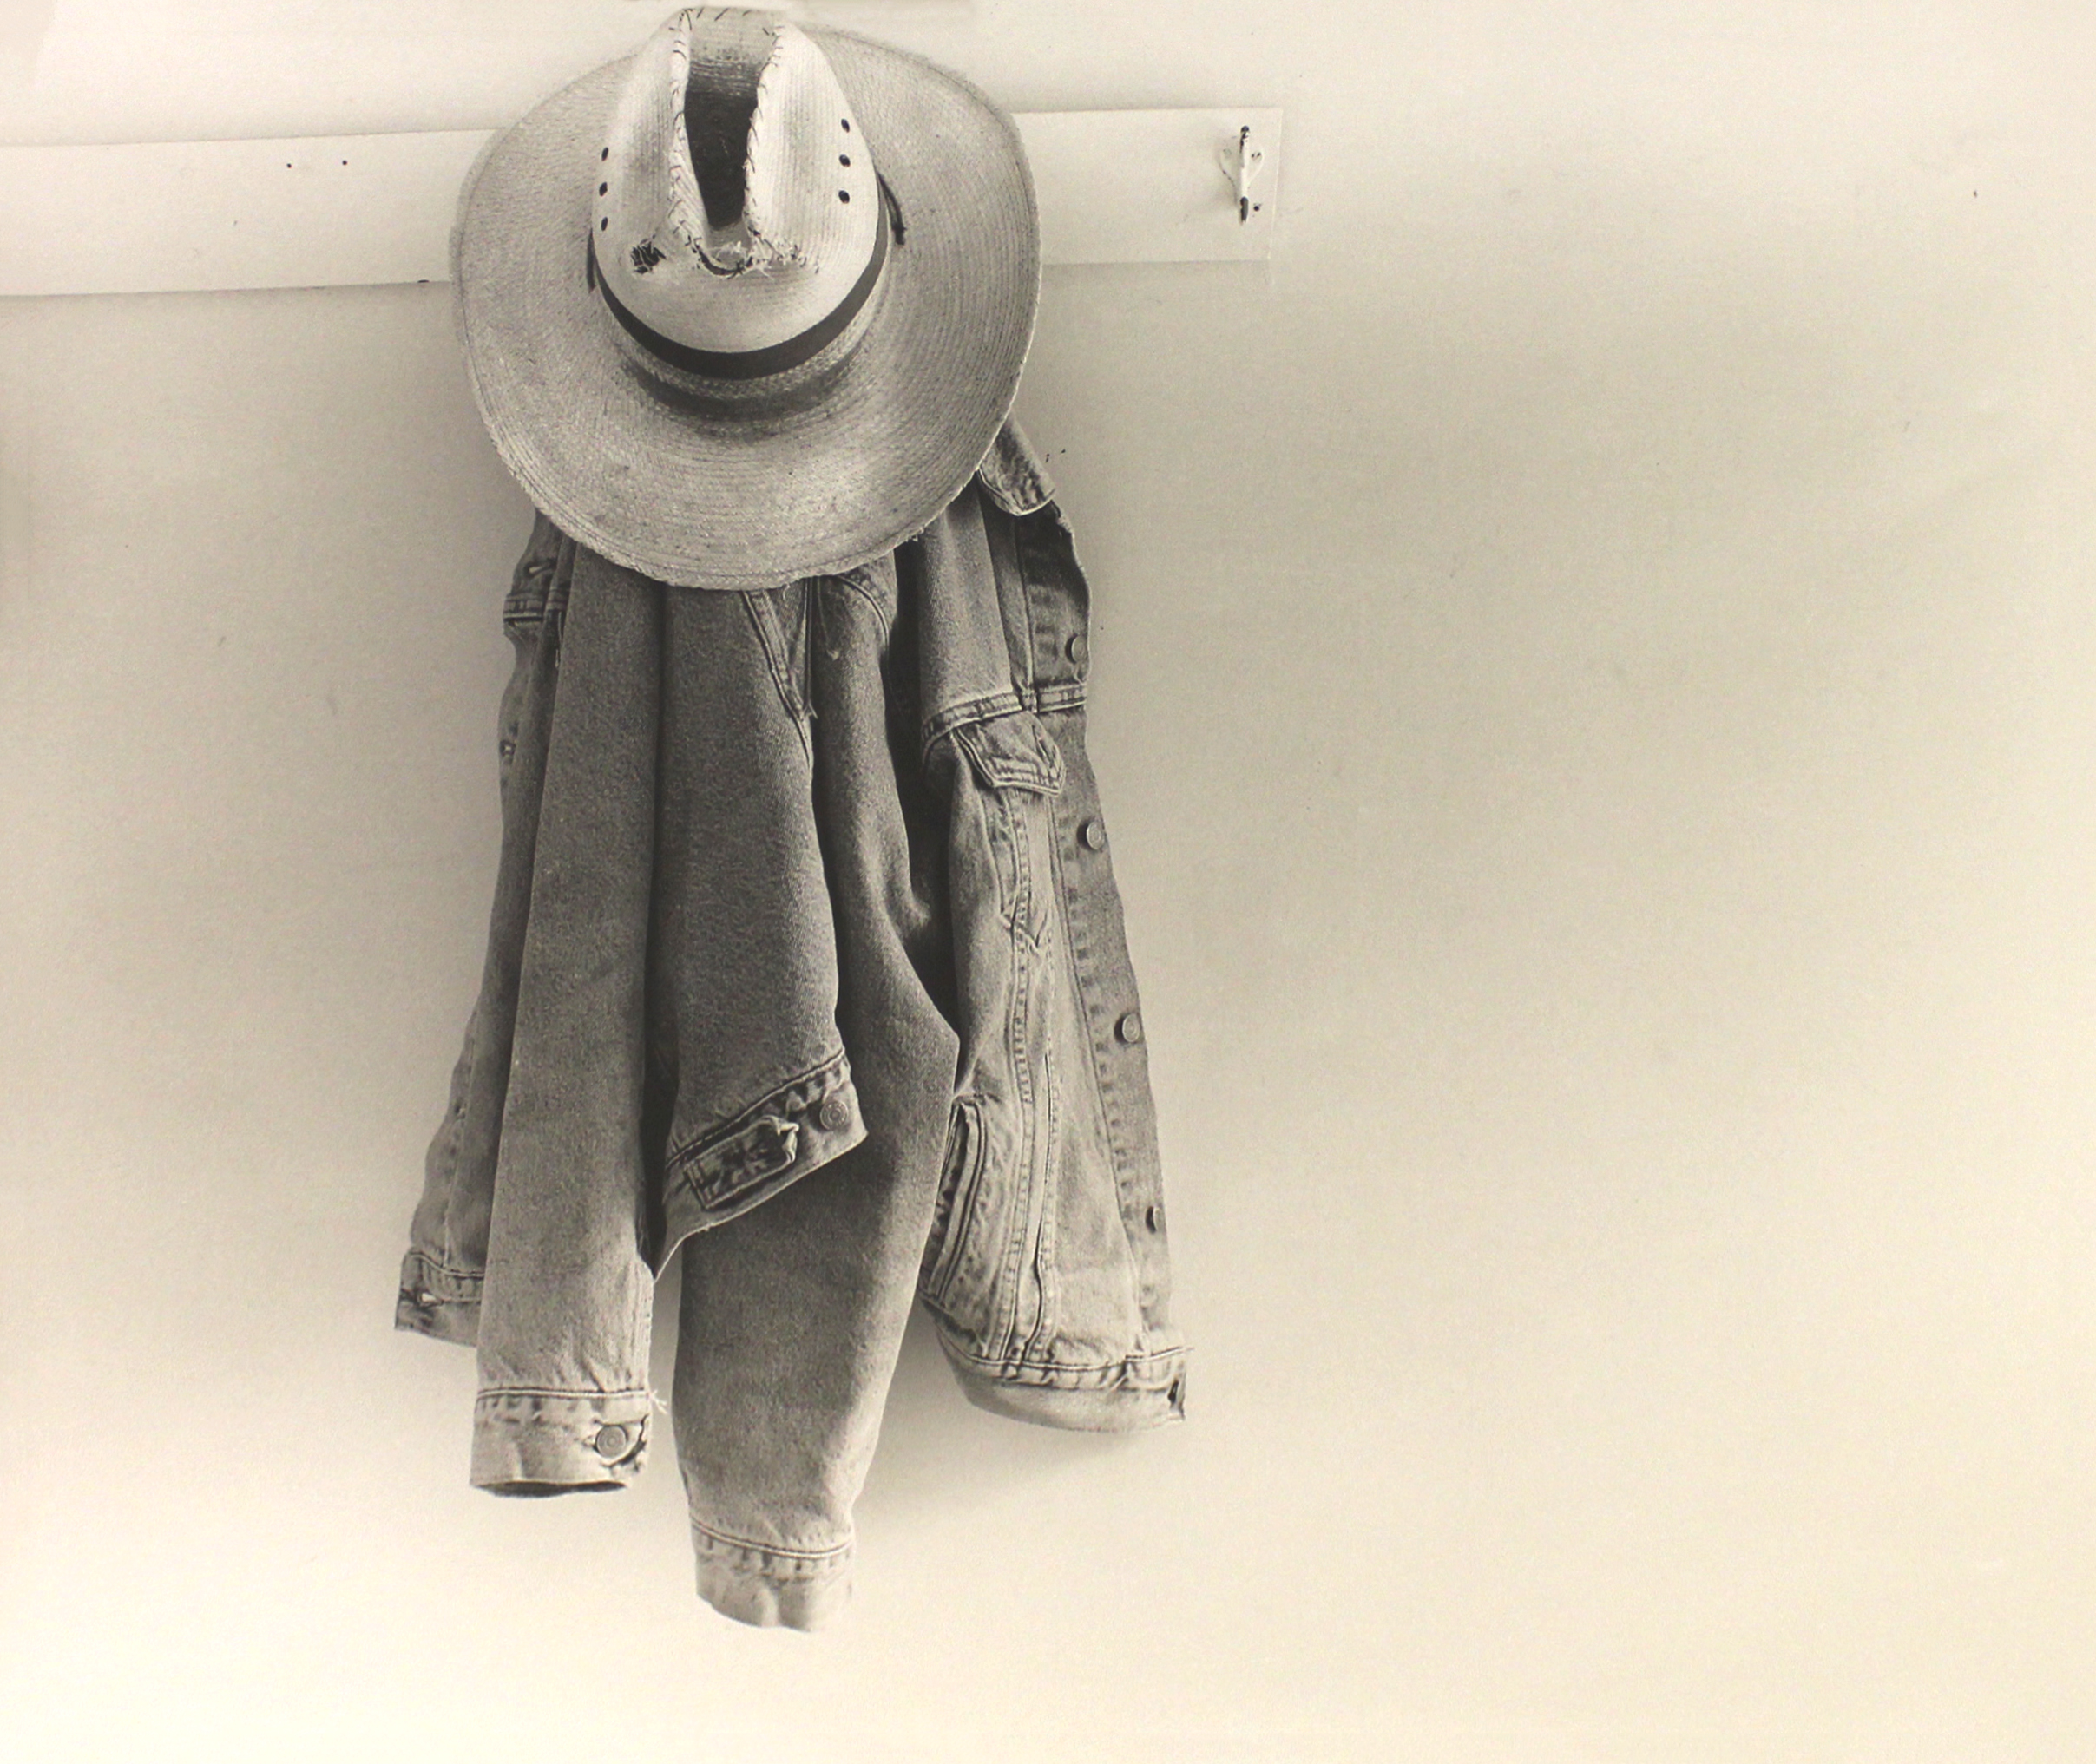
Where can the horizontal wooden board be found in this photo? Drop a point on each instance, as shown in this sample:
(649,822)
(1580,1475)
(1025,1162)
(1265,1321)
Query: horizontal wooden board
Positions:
(1116,187)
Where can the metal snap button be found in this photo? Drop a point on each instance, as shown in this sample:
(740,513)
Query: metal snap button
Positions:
(1075,648)
(1150,1215)
(835,1115)
(1093,833)
(1130,1028)
(611,1441)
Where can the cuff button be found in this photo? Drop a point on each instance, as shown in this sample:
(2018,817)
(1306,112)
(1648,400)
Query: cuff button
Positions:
(1129,1029)
(835,1115)
(611,1442)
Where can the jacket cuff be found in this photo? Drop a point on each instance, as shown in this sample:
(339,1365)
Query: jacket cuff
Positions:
(545,1442)
(441,1303)
(802,1125)
(770,1587)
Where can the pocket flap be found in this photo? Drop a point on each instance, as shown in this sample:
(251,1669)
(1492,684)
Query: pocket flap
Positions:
(1013,752)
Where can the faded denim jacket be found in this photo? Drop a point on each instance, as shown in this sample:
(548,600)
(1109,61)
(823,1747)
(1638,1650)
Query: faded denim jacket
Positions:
(807,956)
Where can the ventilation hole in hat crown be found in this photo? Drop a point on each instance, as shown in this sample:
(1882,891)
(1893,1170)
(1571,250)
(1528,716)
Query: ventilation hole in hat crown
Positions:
(846,120)
(605,154)
(844,195)
(844,159)
(601,188)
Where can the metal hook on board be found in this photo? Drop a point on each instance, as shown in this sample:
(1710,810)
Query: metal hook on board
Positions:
(1241,165)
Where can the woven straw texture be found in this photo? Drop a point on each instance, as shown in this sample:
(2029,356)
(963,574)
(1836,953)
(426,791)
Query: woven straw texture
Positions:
(701,495)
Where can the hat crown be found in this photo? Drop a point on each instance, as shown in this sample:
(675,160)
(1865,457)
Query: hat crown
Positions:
(737,205)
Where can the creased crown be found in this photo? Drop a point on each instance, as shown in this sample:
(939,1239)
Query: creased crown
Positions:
(736,203)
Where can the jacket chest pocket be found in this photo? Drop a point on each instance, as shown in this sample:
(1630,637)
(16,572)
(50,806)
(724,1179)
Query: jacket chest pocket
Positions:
(1017,772)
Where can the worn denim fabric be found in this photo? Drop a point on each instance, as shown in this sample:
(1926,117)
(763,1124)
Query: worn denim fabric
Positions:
(805,956)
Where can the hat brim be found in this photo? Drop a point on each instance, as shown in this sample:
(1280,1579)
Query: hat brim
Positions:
(702,498)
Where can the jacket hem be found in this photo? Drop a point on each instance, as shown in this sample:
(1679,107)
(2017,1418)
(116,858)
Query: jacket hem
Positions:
(771,1587)
(551,1442)
(1125,1396)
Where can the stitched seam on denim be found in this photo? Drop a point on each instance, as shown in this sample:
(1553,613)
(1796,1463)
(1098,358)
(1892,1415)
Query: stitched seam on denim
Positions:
(1014,476)
(837,1552)
(764,620)
(531,581)
(1020,590)
(1021,907)
(1158,1356)
(1015,1022)
(1040,1169)
(678,1161)
(530,588)
(550,1390)
(1136,1386)
(1083,962)
(724,1192)
(1074,909)
(1044,1230)
(455,1125)
(561,587)
(1041,773)
(771,639)
(1022,542)
(451,1269)
(851,580)
(639,1317)
(986,709)
(1161,1357)
(1008,587)
(1064,695)
(961,1204)
(444,1274)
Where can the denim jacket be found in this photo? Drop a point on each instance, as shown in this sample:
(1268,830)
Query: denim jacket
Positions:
(810,882)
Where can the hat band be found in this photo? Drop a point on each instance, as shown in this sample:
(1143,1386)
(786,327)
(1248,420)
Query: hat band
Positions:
(752,364)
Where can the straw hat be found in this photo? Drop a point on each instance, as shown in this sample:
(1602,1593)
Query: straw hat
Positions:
(750,305)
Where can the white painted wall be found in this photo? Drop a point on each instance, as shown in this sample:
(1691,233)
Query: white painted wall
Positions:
(1594,695)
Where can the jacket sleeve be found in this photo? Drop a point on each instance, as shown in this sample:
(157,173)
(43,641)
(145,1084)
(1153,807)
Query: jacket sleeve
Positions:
(447,1257)
(567,1296)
